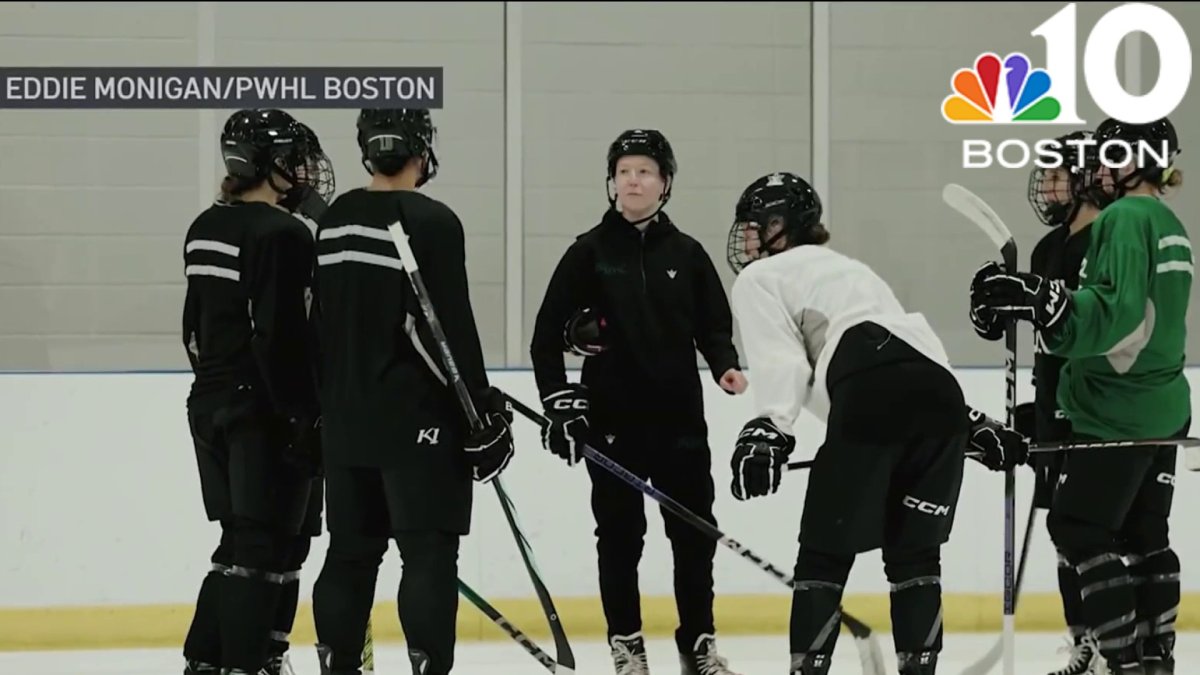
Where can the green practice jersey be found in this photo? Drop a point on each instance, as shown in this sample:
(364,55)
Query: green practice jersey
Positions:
(1125,338)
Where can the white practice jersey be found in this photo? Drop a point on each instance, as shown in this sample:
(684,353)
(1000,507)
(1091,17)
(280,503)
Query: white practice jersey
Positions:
(792,309)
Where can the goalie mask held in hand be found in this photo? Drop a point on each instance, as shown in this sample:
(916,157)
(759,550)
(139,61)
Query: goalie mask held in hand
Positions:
(586,333)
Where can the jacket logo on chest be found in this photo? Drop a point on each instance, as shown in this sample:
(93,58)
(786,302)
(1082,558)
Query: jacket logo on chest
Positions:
(429,435)
(671,273)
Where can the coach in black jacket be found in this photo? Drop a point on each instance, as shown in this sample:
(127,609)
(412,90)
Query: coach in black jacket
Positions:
(639,297)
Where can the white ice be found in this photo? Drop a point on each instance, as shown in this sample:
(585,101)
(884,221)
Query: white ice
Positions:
(1037,654)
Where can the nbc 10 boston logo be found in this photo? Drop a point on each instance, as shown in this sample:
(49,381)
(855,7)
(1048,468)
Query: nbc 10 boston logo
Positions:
(1011,90)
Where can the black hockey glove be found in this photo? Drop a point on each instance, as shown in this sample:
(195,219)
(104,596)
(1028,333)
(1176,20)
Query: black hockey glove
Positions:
(1000,448)
(566,409)
(758,458)
(490,449)
(985,322)
(302,447)
(1045,303)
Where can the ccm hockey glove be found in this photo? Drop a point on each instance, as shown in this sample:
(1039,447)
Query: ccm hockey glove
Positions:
(1043,302)
(566,409)
(758,458)
(1000,448)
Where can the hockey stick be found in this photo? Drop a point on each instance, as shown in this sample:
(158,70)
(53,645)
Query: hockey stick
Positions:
(566,658)
(869,651)
(1192,445)
(513,632)
(1105,445)
(979,212)
(368,652)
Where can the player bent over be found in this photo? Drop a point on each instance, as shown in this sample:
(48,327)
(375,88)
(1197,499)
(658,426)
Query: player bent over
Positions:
(1123,334)
(400,456)
(252,407)
(823,332)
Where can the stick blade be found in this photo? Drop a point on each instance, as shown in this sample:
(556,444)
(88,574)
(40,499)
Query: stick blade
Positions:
(1191,458)
(979,212)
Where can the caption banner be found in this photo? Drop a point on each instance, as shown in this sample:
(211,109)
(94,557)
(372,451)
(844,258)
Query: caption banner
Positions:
(223,87)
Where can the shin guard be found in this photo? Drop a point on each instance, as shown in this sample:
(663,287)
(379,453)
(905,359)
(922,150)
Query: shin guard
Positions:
(1106,590)
(203,641)
(1156,577)
(1068,590)
(820,579)
(248,611)
(916,609)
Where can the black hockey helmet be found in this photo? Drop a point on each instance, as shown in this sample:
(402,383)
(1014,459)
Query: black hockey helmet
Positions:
(645,143)
(389,137)
(1076,149)
(266,144)
(781,198)
(1149,143)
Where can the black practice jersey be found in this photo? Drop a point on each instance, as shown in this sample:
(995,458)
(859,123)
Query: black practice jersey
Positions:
(249,270)
(384,392)
(662,299)
(1058,255)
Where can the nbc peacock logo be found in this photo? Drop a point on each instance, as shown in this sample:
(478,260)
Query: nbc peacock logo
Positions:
(1001,91)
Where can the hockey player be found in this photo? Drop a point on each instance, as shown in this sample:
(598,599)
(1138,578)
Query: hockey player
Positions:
(1123,335)
(638,297)
(400,456)
(1060,200)
(252,407)
(823,333)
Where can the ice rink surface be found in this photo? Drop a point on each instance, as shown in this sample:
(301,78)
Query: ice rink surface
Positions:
(1037,654)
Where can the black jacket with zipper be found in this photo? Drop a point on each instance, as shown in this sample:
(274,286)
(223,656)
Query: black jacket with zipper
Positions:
(663,300)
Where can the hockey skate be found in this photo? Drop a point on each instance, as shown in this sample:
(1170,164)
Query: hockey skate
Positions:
(704,660)
(325,660)
(279,664)
(1085,657)
(810,664)
(629,654)
(419,660)
(1126,662)
(917,663)
(1158,655)
(200,668)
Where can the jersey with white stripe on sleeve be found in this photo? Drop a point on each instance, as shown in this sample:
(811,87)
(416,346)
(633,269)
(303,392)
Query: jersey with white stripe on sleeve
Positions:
(1125,339)
(793,308)
(248,267)
(383,385)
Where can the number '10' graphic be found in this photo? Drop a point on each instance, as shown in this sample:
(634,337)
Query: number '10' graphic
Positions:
(1100,58)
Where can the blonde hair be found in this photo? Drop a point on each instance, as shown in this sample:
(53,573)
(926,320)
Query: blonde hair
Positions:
(1170,179)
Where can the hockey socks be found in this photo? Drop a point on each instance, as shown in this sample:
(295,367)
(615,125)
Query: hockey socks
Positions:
(248,611)
(285,614)
(820,579)
(203,642)
(1156,576)
(1068,589)
(916,609)
(1109,603)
